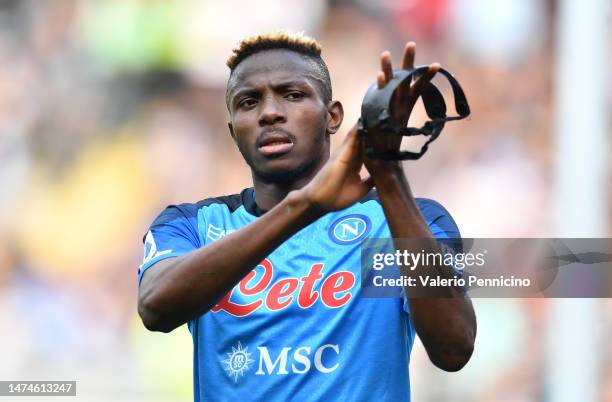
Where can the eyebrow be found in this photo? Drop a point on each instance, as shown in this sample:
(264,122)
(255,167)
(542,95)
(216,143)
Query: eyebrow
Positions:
(279,86)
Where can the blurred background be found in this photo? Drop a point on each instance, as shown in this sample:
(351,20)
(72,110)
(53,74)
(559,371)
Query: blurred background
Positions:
(111,110)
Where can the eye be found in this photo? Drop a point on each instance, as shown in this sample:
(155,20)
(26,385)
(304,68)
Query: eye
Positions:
(294,95)
(247,103)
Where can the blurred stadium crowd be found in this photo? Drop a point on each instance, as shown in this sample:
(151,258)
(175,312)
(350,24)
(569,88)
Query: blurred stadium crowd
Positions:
(111,110)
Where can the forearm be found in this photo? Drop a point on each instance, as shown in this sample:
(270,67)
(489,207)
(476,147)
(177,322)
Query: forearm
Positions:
(446,325)
(195,282)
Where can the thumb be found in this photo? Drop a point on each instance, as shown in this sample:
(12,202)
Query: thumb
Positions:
(350,146)
(365,186)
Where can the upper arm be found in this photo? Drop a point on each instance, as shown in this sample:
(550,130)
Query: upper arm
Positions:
(153,272)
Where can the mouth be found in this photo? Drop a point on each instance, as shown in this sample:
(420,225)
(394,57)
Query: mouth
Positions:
(274,143)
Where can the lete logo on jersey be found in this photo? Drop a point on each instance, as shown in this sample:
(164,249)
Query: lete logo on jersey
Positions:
(256,290)
(349,229)
(324,359)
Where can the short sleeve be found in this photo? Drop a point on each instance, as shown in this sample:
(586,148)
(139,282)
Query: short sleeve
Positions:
(439,220)
(173,233)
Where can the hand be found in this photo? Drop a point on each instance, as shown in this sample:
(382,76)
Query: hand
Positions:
(407,93)
(338,184)
(404,100)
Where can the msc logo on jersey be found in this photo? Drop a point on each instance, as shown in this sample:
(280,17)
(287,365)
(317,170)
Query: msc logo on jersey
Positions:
(237,362)
(300,360)
(350,229)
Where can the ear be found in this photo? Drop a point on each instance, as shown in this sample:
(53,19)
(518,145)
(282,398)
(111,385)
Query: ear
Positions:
(231,130)
(335,115)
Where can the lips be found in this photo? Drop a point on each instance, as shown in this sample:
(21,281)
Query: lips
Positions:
(274,143)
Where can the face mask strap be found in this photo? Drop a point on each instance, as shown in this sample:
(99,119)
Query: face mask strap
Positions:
(376,115)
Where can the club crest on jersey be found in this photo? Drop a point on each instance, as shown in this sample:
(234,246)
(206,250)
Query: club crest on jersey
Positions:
(350,229)
(237,362)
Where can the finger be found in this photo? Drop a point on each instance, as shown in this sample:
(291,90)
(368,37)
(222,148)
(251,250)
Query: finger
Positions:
(352,157)
(350,145)
(407,64)
(344,144)
(380,80)
(408,58)
(385,64)
(427,76)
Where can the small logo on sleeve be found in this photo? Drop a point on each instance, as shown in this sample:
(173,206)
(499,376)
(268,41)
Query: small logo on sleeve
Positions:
(150,250)
(216,233)
(350,229)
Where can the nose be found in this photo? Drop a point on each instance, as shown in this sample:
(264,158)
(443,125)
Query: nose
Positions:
(272,112)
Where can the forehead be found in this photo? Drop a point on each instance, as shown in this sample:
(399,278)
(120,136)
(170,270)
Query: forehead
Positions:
(271,65)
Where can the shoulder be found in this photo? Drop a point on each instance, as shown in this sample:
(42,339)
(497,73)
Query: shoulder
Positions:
(431,208)
(183,217)
(437,217)
(427,206)
(190,210)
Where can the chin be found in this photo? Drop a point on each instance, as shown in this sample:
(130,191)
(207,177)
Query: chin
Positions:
(283,172)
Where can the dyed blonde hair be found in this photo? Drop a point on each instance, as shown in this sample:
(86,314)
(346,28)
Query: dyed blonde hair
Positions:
(274,40)
(302,44)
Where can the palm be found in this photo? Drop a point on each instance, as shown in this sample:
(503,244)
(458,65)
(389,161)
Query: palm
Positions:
(338,184)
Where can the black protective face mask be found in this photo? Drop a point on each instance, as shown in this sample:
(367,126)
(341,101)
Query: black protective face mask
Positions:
(376,113)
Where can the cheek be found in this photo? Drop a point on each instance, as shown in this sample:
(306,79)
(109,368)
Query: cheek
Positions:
(241,136)
(240,122)
(315,120)
(243,127)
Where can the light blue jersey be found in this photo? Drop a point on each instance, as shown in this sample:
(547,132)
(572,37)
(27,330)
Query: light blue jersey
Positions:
(296,328)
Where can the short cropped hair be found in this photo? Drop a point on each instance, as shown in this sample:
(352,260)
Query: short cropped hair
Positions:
(304,45)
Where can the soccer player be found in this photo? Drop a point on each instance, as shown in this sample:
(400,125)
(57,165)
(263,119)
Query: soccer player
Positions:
(268,279)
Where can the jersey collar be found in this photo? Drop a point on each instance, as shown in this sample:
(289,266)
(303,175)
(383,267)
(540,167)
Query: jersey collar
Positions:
(248,200)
